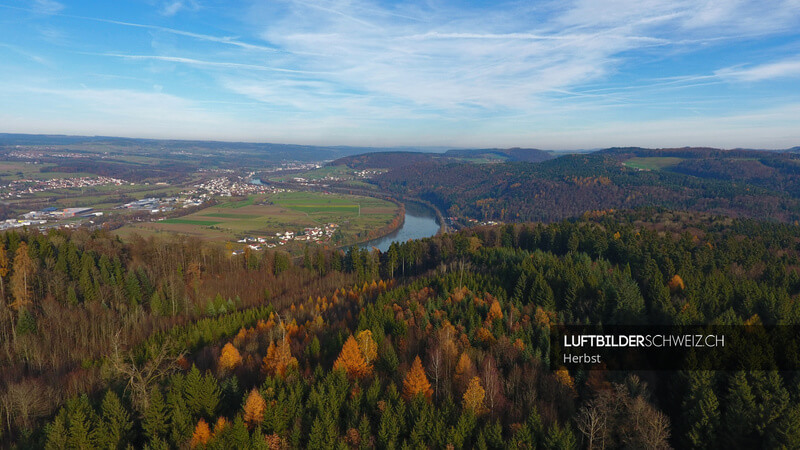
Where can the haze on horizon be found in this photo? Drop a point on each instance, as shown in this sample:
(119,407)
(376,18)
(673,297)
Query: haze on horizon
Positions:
(546,74)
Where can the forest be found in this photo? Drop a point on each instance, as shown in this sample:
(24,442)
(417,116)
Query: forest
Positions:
(739,183)
(436,343)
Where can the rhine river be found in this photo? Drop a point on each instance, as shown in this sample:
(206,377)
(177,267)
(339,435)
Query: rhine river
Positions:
(420,223)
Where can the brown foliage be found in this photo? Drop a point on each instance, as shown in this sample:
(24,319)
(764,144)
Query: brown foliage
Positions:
(465,370)
(676,283)
(279,358)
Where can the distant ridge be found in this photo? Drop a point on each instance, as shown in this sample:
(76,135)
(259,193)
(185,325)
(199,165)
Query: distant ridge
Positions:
(508,154)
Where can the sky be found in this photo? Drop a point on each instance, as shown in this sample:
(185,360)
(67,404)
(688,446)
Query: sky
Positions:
(563,74)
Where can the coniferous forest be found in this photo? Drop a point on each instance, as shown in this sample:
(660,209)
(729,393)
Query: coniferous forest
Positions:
(437,343)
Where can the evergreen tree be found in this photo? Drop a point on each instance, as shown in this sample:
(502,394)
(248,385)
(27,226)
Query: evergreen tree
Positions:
(701,412)
(154,420)
(115,423)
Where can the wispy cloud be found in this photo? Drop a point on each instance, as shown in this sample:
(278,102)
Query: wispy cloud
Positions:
(26,54)
(781,69)
(47,6)
(172,7)
(214,64)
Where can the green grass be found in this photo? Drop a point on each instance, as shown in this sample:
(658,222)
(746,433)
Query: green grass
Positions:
(652,163)
(238,204)
(192,222)
(343,172)
(232,216)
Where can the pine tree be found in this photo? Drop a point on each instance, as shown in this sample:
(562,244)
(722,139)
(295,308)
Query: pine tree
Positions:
(179,419)
(154,421)
(82,422)
(254,409)
(560,438)
(740,410)
(238,436)
(115,423)
(352,361)
(416,382)
(56,431)
(700,410)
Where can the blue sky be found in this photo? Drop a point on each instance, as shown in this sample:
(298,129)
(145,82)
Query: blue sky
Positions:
(548,74)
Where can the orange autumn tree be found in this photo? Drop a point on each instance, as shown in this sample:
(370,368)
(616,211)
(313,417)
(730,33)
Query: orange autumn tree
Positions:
(279,358)
(201,434)
(416,381)
(352,360)
(254,409)
(494,311)
(229,358)
(473,397)
(219,427)
(676,283)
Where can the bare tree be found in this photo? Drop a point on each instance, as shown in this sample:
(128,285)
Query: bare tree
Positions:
(592,422)
(140,377)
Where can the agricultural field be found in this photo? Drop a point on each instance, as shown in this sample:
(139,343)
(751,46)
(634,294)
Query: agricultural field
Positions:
(652,163)
(265,215)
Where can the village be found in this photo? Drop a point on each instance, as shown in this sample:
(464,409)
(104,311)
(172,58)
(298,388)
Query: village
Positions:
(17,188)
(317,235)
(225,187)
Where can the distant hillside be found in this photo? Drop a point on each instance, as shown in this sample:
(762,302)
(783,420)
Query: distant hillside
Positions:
(508,154)
(397,159)
(387,160)
(255,152)
(735,183)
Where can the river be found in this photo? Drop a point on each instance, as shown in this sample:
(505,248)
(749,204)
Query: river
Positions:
(420,223)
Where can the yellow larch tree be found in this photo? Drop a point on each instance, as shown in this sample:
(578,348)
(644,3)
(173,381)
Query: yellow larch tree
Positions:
(352,360)
(229,358)
(21,277)
(254,409)
(416,382)
(201,435)
(279,358)
(676,283)
(494,311)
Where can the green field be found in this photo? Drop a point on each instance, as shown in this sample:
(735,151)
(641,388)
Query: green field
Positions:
(206,223)
(239,203)
(231,216)
(343,172)
(264,215)
(652,163)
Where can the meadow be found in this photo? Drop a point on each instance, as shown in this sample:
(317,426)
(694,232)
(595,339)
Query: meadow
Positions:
(265,215)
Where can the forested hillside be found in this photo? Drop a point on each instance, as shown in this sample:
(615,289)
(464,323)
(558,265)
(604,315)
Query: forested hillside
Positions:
(440,342)
(762,185)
